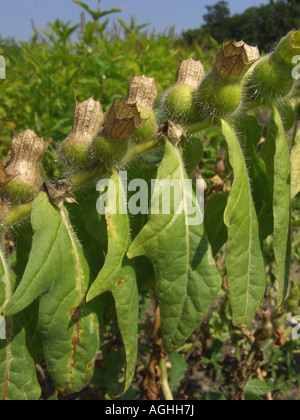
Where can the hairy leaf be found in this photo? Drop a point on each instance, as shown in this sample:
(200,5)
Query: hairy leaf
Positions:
(118,276)
(215,228)
(187,279)
(249,135)
(58,269)
(281,204)
(192,153)
(18,379)
(244,259)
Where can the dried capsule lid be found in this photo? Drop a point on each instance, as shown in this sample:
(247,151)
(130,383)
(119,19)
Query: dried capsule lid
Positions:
(190,73)
(142,92)
(27,147)
(234,59)
(88,117)
(122,120)
(174,132)
(26,152)
(60,192)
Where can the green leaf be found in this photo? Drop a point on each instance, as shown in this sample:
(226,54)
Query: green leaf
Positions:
(24,242)
(281,204)
(187,279)
(58,269)
(249,135)
(244,259)
(192,153)
(287,114)
(96,15)
(215,228)
(118,276)
(258,387)
(90,228)
(295,163)
(18,379)
(178,369)
(7,281)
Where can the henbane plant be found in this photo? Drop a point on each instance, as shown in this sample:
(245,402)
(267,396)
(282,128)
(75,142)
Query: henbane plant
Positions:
(80,268)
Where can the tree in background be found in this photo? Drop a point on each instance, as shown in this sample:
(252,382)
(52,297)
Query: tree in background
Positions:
(261,25)
(215,18)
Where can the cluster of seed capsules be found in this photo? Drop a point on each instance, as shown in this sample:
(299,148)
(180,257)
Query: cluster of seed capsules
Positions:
(240,80)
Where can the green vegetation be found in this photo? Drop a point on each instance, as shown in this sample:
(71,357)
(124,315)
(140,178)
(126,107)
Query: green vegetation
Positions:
(263,25)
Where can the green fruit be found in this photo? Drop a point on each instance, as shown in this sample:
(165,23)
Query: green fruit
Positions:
(147,130)
(76,154)
(179,105)
(109,151)
(17,191)
(269,80)
(271,77)
(217,97)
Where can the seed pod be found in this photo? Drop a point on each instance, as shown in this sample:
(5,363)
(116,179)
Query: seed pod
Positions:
(271,78)
(143,93)
(26,152)
(178,103)
(220,92)
(122,121)
(88,120)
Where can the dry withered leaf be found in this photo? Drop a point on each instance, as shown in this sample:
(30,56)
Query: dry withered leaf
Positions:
(174,132)
(122,120)
(216,181)
(60,192)
(190,73)
(142,92)
(235,58)
(279,337)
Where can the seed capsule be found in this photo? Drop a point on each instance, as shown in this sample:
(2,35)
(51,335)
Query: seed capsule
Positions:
(88,120)
(143,93)
(271,78)
(122,121)
(220,92)
(26,152)
(178,103)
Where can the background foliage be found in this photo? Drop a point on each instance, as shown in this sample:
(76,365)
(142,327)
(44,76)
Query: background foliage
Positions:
(263,25)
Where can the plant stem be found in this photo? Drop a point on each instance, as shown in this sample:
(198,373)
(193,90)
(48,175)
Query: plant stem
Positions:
(84,177)
(139,149)
(195,127)
(164,381)
(17,213)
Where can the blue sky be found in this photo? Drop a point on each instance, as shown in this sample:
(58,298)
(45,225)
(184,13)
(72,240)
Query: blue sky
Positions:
(15,15)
